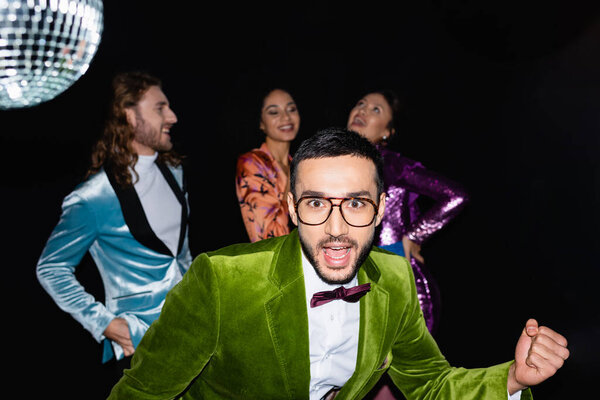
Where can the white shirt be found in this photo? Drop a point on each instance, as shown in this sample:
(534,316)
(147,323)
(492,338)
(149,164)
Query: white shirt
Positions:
(516,396)
(333,336)
(160,204)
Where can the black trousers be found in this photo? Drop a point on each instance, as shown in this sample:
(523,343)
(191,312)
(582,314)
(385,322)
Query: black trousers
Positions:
(113,371)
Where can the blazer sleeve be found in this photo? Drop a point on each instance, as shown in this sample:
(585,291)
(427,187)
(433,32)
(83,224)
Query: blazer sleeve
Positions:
(421,372)
(264,214)
(449,200)
(180,343)
(68,243)
(187,260)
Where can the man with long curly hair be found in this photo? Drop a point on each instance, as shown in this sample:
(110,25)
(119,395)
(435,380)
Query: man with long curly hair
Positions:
(131,215)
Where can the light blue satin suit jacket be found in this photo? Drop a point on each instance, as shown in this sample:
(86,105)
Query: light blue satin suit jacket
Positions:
(136,267)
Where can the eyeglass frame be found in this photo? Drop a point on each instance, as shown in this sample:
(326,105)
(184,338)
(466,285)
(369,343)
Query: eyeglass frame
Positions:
(375,205)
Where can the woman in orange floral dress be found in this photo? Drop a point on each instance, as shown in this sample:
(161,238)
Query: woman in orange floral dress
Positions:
(262,175)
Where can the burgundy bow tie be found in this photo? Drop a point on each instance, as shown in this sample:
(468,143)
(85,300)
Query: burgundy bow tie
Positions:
(351,295)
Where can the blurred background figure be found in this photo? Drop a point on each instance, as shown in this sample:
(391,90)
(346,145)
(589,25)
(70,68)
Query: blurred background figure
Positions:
(404,227)
(131,214)
(262,174)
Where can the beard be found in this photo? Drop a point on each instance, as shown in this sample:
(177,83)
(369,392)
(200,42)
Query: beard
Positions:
(149,136)
(363,253)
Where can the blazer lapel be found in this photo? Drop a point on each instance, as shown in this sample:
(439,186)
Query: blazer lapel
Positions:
(180,194)
(374,310)
(288,320)
(134,216)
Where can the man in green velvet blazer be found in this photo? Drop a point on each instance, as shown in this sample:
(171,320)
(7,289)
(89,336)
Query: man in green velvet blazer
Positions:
(239,324)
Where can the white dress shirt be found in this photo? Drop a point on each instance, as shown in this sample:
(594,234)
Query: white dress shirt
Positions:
(160,204)
(333,336)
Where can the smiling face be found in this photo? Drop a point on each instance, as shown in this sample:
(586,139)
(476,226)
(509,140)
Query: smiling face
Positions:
(152,119)
(279,119)
(335,249)
(371,117)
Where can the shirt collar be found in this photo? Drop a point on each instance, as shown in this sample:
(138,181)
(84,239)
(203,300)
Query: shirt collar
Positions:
(144,163)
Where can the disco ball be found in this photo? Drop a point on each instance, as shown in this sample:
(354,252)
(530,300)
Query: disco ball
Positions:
(45,46)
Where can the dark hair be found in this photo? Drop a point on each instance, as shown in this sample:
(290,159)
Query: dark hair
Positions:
(337,142)
(114,147)
(260,101)
(396,105)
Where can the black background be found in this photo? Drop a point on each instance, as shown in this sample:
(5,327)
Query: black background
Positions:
(502,97)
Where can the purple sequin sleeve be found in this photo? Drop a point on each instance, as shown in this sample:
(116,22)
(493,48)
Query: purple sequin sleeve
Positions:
(449,199)
(406,180)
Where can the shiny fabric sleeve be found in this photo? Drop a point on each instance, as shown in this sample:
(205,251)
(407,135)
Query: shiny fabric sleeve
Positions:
(421,372)
(449,197)
(264,210)
(187,260)
(177,346)
(68,243)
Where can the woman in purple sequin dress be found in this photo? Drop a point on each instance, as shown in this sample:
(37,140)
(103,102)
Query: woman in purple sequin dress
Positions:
(404,227)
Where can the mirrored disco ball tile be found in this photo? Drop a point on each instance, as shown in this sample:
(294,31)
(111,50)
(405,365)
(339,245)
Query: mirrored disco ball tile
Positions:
(45,46)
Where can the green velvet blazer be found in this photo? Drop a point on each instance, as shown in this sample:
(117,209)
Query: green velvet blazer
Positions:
(236,327)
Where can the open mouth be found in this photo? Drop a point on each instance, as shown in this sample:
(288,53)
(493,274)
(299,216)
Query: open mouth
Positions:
(166,131)
(337,256)
(287,128)
(358,121)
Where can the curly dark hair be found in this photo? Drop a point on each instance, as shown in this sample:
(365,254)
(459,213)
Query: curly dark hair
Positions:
(396,105)
(114,149)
